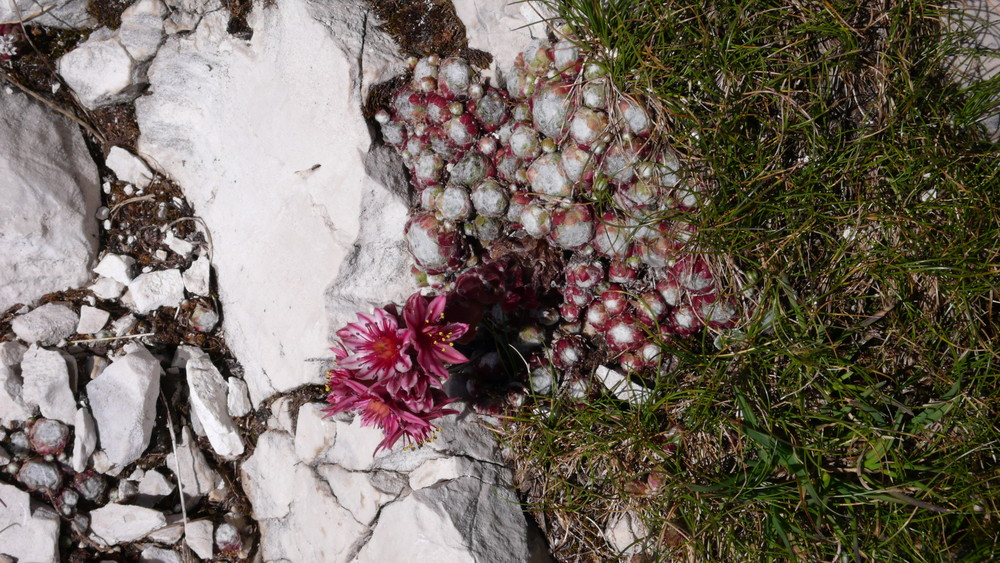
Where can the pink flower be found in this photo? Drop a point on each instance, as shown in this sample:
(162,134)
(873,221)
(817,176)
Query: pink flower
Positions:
(379,408)
(376,346)
(431,336)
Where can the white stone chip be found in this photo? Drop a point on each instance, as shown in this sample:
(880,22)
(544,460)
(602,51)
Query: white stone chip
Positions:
(84,440)
(46,325)
(178,245)
(171,533)
(154,554)
(124,325)
(208,399)
(26,534)
(313,433)
(238,397)
(199,538)
(46,377)
(154,484)
(196,277)
(115,523)
(117,267)
(625,532)
(123,399)
(141,31)
(163,288)
(107,288)
(128,168)
(194,474)
(100,71)
(92,320)
(621,386)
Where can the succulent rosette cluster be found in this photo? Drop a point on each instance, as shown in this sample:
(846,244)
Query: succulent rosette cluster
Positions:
(391,367)
(553,155)
(10,40)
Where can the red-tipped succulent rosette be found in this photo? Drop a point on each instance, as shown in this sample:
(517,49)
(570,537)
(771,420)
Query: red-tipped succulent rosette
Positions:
(434,247)
(572,227)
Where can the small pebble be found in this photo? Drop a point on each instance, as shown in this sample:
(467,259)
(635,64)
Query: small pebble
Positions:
(102,213)
(106,187)
(107,224)
(129,189)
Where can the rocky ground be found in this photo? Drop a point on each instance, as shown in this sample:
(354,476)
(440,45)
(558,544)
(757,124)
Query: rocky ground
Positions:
(193,202)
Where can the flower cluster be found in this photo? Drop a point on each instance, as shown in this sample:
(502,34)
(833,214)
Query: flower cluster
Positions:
(392,374)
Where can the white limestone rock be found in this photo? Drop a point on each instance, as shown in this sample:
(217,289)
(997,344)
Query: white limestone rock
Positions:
(153,487)
(11,353)
(116,266)
(107,288)
(84,439)
(195,125)
(185,15)
(124,324)
(115,523)
(27,532)
(141,31)
(313,433)
(46,377)
(199,538)
(92,320)
(162,288)
(129,168)
(502,29)
(50,185)
(153,554)
(12,405)
(195,476)
(123,400)
(457,521)
(197,276)
(60,14)
(237,397)
(100,71)
(625,533)
(622,387)
(355,492)
(208,399)
(178,245)
(290,502)
(46,325)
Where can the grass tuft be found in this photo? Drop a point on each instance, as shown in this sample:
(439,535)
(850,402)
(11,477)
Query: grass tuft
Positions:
(854,206)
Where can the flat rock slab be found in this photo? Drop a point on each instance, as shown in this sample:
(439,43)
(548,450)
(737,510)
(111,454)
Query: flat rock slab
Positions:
(267,138)
(46,325)
(118,523)
(50,191)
